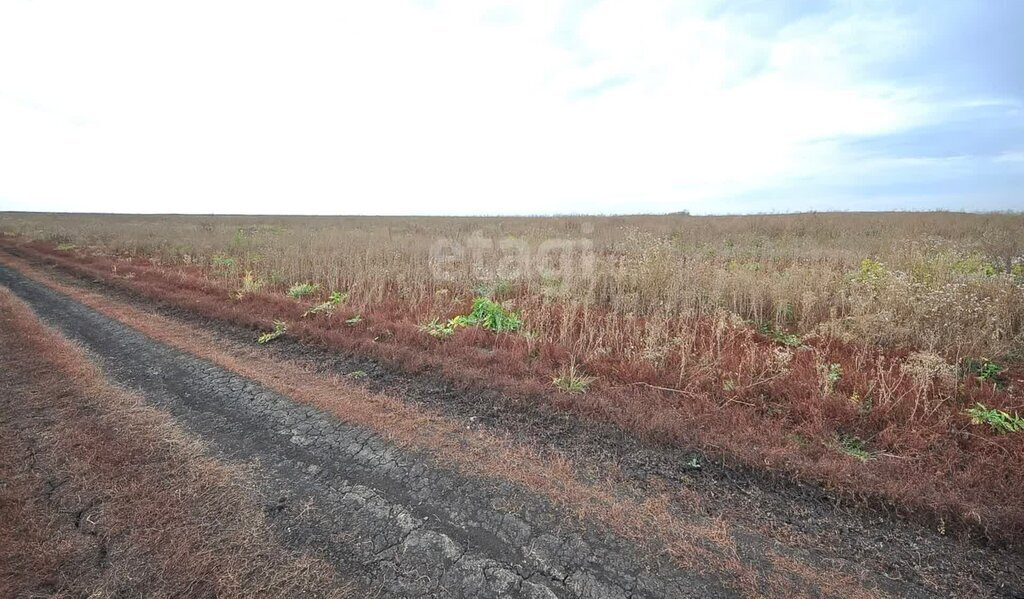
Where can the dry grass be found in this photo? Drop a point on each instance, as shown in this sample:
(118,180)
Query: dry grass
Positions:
(946,287)
(678,527)
(670,321)
(102,495)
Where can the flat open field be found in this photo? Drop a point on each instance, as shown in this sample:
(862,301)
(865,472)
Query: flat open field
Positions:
(649,406)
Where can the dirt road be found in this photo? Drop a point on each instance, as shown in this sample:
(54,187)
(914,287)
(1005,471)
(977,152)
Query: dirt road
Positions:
(403,522)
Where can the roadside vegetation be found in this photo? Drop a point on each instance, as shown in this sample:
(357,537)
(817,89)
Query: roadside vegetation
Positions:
(872,352)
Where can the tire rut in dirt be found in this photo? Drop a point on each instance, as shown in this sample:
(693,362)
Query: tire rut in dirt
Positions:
(409,527)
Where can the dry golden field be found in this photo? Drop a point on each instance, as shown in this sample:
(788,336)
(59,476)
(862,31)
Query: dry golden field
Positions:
(943,282)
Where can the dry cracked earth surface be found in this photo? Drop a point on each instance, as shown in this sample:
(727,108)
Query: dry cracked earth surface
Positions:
(398,521)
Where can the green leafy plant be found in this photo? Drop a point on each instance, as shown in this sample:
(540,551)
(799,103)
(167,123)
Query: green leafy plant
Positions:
(1000,421)
(222,261)
(485,313)
(250,284)
(828,376)
(327,307)
(573,380)
(302,289)
(854,447)
(280,327)
(436,328)
(492,316)
(833,373)
(770,330)
(1017,270)
(985,370)
(870,270)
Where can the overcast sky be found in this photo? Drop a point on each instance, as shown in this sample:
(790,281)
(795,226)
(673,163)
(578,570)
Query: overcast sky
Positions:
(393,107)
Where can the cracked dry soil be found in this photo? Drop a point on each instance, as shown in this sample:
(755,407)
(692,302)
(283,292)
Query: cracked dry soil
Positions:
(398,523)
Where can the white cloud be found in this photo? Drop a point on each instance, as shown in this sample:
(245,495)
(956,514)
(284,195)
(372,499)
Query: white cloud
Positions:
(395,107)
(1010,157)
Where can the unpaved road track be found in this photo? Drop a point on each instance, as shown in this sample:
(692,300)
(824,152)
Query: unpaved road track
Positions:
(413,529)
(393,519)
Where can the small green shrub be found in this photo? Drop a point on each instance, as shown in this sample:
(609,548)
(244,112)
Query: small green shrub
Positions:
(870,270)
(299,290)
(771,331)
(1000,421)
(854,447)
(573,380)
(492,316)
(958,262)
(985,370)
(485,313)
(327,307)
(828,376)
(280,327)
